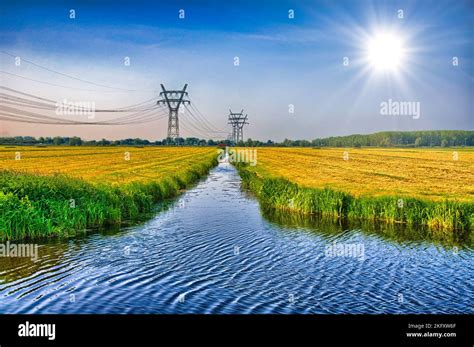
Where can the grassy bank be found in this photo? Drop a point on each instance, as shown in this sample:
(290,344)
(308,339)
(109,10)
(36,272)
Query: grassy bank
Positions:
(34,205)
(280,193)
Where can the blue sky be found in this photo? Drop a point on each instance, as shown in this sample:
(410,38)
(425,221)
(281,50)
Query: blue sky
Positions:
(283,61)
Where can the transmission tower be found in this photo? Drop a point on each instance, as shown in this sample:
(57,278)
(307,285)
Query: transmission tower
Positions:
(173,99)
(237,120)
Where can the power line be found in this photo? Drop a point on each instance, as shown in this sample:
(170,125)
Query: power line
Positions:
(14,118)
(44,106)
(135,116)
(202,131)
(204,119)
(68,87)
(190,131)
(12,114)
(70,76)
(196,129)
(139,112)
(48,102)
(15,102)
(16,114)
(198,122)
(201,123)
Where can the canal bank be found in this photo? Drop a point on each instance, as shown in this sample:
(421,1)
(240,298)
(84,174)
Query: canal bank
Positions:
(215,251)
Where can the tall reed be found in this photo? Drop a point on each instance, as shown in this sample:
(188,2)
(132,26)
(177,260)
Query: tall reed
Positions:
(37,206)
(442,216)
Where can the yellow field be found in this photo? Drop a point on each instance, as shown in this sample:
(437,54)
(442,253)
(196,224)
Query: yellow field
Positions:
(104,164)
(423,173)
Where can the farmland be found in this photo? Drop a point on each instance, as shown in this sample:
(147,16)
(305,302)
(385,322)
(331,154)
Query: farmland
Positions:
(416,186)
(61,190)
(113,165)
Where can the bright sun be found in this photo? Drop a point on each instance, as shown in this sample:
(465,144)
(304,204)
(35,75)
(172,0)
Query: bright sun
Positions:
(385,51)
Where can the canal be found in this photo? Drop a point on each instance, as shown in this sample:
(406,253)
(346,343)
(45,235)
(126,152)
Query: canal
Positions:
(213,250)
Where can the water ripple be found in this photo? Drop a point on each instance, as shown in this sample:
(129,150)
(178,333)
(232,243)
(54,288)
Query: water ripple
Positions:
(213,252)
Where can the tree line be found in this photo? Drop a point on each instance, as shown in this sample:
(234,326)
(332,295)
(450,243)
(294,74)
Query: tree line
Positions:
(77,141)
(435,138)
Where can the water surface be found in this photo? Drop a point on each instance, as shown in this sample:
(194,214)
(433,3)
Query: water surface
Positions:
(214,251)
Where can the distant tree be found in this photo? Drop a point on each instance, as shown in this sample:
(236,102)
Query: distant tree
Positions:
(386,138)
(57,141)
(179,141)
(169,141)
(385,142)
(75,141)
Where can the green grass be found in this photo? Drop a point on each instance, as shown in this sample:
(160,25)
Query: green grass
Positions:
(33,206)
(440,216)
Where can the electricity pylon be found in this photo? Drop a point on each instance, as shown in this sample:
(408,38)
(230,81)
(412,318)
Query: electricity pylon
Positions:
(237,120)
(173,99)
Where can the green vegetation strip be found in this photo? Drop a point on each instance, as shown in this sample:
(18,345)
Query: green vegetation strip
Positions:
(34,206)
(444,216)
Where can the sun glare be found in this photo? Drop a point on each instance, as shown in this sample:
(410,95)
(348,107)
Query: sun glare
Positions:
(385,51)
